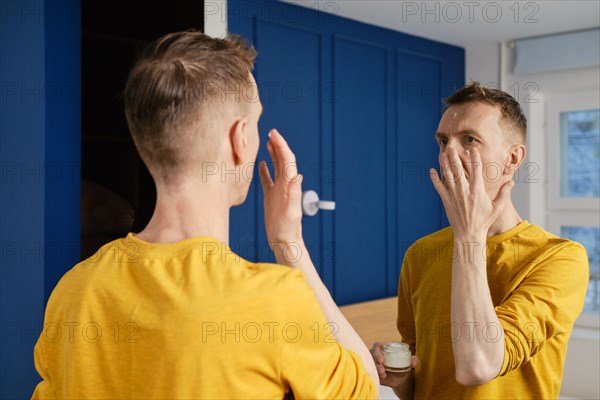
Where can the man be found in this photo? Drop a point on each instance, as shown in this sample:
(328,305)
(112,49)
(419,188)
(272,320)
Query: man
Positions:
(172,312)
(488,304)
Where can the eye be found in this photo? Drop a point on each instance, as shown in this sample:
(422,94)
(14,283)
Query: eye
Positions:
(470,139)
(443,141)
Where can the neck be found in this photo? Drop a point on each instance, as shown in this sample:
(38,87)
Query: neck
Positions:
(187,211)
(506,221)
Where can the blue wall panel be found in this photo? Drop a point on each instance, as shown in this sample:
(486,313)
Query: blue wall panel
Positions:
(22,186)
(289,84)
(419,108)
(360,153)
(39,184)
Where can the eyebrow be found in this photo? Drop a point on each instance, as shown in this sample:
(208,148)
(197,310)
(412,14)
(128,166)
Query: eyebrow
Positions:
(459,133)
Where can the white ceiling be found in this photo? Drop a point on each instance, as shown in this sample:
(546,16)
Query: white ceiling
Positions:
(466,23)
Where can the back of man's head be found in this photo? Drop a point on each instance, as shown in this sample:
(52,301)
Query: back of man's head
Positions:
(176,96)
(513,118)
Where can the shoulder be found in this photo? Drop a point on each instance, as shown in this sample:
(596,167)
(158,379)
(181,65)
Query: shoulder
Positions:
(560,257)
(77,279)
(551,245)
(277,277)
(438,241)
(444,235)
(290,296)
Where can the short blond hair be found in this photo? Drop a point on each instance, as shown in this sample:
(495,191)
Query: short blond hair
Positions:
(512,113)
(171,86)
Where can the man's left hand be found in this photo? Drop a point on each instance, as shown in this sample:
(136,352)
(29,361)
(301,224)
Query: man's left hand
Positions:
(283,197)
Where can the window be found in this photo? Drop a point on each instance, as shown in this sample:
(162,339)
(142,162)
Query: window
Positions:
(573,123)
(579,145)
(589,237)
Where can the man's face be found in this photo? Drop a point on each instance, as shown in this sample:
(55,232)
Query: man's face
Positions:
(477,125)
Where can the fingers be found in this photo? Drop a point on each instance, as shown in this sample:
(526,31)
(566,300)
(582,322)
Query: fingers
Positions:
(274,158)
(381,371)
(378,358)
(503,196)
(437,183)
(286,160)
(377,353)
(476,167)
(445,170)
(265,177)
(295,189)
(453,169)
(414,362)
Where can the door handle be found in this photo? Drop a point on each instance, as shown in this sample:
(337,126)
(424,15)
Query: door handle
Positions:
(311,203)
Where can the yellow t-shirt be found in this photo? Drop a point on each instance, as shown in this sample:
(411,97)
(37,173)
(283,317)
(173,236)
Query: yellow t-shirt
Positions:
(189,320)
(537,283)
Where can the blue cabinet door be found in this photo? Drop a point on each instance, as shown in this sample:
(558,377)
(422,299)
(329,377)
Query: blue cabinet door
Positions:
(361,136)
(289,85)
(359,105)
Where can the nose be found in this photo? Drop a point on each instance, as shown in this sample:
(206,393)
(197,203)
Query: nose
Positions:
(455,144)
(451,144)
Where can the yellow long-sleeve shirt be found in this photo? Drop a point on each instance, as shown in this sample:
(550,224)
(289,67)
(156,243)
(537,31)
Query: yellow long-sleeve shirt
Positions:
(189,320)
(537,283)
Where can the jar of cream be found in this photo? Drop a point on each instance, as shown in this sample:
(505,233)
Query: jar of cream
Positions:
(396,357)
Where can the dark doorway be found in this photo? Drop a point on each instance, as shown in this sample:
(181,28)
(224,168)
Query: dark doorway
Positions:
(118,194)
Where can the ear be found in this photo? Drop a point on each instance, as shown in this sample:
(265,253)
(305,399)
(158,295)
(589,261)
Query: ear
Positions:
(238,140)
(515,158)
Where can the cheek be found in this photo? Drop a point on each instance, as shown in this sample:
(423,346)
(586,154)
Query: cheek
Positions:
(253,139)
(257,140)
(492,170)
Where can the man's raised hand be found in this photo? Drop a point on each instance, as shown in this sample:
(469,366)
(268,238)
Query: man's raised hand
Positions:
(468,207)
(282,197)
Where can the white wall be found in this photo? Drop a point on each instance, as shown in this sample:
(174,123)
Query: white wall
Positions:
(493,63)
(482,64)
(215,18)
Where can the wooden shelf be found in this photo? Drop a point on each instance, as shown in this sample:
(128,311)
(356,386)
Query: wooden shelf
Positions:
(375,321)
